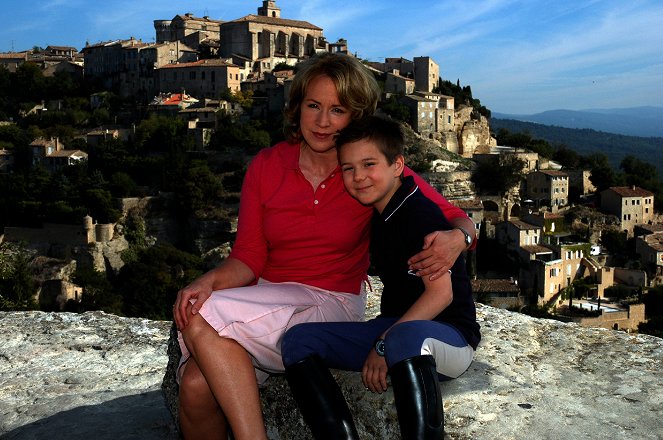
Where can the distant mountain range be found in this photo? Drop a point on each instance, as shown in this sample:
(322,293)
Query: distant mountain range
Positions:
(587,141)
(635,121)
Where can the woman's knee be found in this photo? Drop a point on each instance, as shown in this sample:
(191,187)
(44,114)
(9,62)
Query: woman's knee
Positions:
(195,327)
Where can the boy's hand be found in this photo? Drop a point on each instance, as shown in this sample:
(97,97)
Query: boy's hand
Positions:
(374,373)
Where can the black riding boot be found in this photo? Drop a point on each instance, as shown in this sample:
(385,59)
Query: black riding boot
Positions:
(418,398)
(320,400)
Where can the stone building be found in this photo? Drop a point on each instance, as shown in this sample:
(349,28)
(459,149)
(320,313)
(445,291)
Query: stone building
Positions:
(265,40)
(52,155)
(424,70)
(129,65)
(650,249)
(633,205)
(11,60)
(617,320)
(202,79)
(473,208)
(426,73)
(548,188)
(190,30)
(395,83)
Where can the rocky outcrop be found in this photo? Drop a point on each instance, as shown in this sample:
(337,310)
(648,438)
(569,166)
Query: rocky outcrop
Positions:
(82,376)
(97,376)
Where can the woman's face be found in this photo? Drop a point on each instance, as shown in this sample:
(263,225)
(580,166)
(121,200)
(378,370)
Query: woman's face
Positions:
(322,115)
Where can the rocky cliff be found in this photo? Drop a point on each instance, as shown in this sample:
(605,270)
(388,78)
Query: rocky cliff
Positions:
(98,376)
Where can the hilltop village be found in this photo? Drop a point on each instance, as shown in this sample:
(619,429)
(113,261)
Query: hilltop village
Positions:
(552,222)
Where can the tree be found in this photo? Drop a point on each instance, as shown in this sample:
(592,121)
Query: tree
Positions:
(639,173)
(395,109)
(493,179)
(17,287)
(98,293)
(149,284)
(602,175)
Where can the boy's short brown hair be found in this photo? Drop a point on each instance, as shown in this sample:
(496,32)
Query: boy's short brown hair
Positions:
(385,133)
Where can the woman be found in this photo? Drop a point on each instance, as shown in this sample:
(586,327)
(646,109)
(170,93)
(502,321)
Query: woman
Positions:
(304,240)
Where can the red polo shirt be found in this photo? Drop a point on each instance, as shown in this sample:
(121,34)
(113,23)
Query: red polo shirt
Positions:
(288,231)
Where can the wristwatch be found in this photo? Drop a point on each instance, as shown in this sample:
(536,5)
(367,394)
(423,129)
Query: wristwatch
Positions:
(379,347)
(468,237)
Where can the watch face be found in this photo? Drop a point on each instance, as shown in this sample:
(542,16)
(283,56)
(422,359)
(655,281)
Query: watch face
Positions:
(379,347)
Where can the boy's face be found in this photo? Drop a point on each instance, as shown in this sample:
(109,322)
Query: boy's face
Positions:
(367,175)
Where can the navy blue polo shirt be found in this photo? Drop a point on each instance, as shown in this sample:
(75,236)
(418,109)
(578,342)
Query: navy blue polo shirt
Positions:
(396,235)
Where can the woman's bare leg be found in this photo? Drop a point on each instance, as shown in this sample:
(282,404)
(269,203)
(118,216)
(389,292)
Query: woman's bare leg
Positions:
(199,413)
(229,373)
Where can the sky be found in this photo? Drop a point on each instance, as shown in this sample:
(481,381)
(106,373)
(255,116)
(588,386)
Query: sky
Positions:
(518,56)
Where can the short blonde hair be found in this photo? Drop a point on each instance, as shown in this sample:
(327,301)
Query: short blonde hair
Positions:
(356,87)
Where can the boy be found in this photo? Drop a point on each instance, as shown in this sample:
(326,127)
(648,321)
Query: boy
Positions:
(424,328)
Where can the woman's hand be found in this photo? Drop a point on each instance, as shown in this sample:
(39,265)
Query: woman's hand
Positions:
(374,373)
(440,251)
(200,290)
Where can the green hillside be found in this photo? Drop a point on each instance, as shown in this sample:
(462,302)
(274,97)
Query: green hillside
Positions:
(586,141)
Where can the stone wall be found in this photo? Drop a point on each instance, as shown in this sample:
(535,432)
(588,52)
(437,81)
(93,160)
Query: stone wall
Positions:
(93,375)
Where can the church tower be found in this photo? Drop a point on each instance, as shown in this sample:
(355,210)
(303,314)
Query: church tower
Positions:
(269,9)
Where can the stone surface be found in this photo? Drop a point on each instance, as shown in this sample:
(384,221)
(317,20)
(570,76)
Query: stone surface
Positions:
(93,375)
(97,376)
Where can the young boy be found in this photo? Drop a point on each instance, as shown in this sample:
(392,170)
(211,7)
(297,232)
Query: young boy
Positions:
(425,327)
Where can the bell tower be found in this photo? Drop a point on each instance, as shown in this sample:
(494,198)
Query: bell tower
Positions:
(269,9)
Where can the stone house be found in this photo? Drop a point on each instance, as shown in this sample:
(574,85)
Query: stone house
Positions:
(548,188)
(190,30)
(423,114)
(42,147)
(129,64)
(579,183)
(474,210)
(501,293)
(96,137)
(202,118)
(517,233)
(547,279)
(426,74)
(62,51)
(617,320)
(52,155)
(202,79)
(632,205)
(63,158)
(11,60)
(650,249)
(424,70)
(395,83)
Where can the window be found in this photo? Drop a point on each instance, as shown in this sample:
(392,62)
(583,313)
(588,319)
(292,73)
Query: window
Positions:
(192,75)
